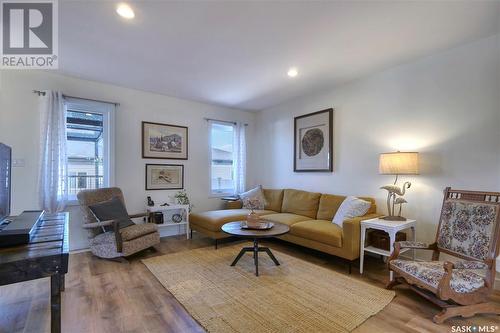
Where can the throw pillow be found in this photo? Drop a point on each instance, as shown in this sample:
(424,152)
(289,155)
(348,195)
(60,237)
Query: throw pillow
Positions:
(112,209)
(350,207)
(253,199)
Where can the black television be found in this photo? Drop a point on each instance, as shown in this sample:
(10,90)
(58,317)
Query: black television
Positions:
(5,180)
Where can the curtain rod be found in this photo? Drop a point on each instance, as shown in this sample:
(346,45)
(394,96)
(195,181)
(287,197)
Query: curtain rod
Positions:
(223,121)
(39,92)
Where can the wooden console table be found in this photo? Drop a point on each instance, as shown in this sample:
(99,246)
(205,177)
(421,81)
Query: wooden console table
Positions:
(46,255)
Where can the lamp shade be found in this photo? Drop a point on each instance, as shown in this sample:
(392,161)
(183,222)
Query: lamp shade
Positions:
(398,163)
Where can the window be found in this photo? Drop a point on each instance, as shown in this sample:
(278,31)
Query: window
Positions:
(89,146)
(221,158)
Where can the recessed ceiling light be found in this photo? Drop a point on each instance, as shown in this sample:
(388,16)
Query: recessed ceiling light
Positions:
(125,11)
(293,72)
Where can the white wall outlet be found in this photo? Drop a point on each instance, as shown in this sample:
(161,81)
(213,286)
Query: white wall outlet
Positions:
(18,163)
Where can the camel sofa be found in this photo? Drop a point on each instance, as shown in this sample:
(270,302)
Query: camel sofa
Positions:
(308,214)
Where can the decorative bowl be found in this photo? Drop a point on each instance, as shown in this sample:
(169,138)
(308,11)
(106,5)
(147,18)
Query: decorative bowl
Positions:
(262,225)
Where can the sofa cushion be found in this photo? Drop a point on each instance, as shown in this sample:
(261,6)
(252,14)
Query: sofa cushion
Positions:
(253,199)
(233,204)
(322,231)
(350,208)
(300,202)
(329,204)
(274,199)
(285,218)
(214,219)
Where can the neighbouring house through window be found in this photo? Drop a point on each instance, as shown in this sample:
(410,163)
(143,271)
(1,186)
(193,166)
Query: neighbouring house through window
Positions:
(222,163)
(227,158)
(89,146)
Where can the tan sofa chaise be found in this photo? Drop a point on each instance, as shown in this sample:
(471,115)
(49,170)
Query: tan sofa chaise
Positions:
(308,214)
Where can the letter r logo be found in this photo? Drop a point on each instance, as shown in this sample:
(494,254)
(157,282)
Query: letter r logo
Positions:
(27,27)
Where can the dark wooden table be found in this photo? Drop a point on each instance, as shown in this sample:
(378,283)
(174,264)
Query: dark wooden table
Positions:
(234,229)
(46,255)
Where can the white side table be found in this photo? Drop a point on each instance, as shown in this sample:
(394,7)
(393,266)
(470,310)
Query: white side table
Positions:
(391,227)
(166,210)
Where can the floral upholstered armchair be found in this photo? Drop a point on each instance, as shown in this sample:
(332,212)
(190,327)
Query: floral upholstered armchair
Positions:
(468,230)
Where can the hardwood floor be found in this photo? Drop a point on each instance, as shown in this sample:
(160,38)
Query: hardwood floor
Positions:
(107,296)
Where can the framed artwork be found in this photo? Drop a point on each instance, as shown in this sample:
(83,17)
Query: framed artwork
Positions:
(313,142)
(164,141)
(164,177)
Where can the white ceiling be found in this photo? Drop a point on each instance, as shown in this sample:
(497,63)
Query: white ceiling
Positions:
(237,53)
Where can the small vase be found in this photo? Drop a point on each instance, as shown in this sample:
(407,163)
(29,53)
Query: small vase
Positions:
(253,220)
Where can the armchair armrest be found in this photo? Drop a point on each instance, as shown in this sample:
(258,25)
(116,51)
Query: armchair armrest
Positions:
(413,245)
(410,245)
(446,292)
(464,264)
(115,224)
(99,224)
(132,216)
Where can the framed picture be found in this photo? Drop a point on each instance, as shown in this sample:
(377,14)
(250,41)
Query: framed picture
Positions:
(164,177)
(313,144)
(164,141)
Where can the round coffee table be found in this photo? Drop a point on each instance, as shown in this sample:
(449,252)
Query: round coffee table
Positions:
(234,229)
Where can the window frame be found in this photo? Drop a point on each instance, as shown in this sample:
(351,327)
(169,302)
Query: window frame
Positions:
(211,193)
(108,112)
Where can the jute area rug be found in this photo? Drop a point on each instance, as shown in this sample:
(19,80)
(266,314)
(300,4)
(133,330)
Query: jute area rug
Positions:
(296,296)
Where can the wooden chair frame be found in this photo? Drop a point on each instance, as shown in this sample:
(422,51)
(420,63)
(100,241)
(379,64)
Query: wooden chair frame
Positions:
(453,303)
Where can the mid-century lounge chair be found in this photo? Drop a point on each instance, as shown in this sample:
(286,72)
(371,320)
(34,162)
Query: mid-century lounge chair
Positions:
(468,230)
(116,237)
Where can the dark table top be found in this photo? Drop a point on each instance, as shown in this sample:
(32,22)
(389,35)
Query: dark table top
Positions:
(234,229)
(46,254)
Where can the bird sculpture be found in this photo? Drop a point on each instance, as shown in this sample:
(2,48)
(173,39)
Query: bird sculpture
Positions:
(400,201)
(392,191)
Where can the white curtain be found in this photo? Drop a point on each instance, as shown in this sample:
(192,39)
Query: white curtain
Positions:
(52,185)
(240,158)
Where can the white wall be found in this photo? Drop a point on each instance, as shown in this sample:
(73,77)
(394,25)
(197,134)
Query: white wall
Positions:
(19,128)
(445,106)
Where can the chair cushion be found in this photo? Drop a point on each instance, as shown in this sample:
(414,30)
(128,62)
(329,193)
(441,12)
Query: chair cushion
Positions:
(138,244)
(285,218)
(300,203)
(214,219)
(104,245)
(274,199)
(322,231)
(137,230)
(431,272)
(112,209)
